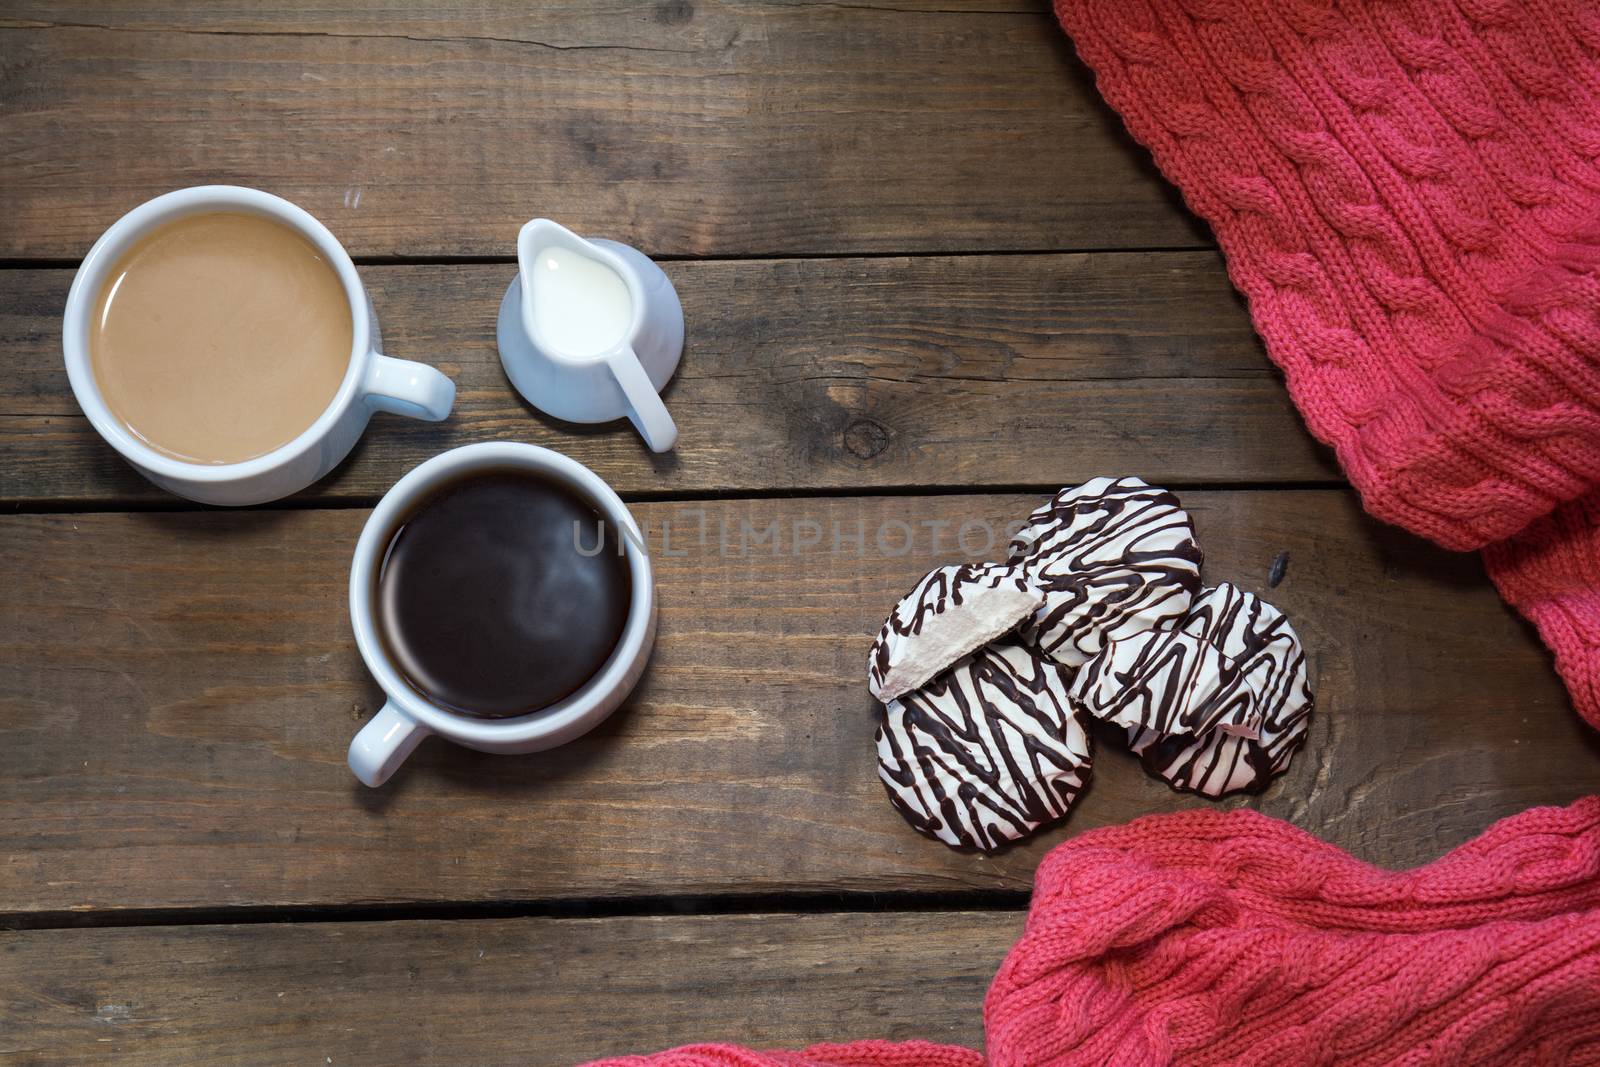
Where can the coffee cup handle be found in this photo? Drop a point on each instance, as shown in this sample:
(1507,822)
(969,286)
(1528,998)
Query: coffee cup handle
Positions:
(415,390)
(646,410)
(383,744)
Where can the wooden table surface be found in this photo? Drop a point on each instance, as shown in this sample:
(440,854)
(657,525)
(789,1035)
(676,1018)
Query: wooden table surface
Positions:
(928,279)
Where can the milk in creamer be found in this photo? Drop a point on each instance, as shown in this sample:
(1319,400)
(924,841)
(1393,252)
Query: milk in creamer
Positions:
(581,306)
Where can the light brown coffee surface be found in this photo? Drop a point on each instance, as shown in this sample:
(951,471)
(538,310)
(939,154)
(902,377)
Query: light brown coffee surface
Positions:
(220,337)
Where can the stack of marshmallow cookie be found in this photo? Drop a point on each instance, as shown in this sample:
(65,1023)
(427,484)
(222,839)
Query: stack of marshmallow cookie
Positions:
(989,671)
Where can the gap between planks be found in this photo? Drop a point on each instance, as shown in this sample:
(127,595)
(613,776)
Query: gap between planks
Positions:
(669,496)
(670,906)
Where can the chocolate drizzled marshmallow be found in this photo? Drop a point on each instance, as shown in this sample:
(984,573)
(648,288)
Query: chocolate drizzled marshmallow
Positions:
(986,753)
(1167,682)
(1113,558)
(1268,656)
(951,611)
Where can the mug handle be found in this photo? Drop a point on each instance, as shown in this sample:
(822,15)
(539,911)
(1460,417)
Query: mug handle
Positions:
(646,410)
(415,390)
(383,744)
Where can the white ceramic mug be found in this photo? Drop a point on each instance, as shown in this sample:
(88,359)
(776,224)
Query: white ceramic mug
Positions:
(625,380)
(372,381)
(408,716)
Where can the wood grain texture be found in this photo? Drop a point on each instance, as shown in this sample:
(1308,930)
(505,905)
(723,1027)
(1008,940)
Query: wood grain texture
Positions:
(523,992)
(798,374)
(687,127)
(180,690)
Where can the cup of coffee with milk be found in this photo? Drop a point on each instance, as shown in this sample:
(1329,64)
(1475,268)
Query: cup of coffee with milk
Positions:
(220,339)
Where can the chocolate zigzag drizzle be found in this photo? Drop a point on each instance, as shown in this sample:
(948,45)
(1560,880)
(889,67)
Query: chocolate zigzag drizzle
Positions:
(951,611)
(988,752)
(1167,682)
(1268,657)
(1113,558)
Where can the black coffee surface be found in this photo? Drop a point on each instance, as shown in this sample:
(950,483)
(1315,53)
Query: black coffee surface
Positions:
(485,601)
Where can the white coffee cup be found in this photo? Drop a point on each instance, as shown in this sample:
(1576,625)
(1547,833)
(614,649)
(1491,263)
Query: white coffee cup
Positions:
(372,381)
(408,716)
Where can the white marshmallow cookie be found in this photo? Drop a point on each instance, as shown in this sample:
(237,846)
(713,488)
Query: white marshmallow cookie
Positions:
(1113,558)
(1270,659)
(951,611)
(988,752)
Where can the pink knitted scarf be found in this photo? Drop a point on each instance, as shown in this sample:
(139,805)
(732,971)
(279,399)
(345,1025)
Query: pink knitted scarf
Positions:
(1230,938)
(1408,192)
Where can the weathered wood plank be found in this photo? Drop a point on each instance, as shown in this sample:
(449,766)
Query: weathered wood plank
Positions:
(684,126)
(528,992)
(799,374)
(179,690)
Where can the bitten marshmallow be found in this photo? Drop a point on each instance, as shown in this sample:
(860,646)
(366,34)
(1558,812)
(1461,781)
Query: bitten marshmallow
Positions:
(952,611)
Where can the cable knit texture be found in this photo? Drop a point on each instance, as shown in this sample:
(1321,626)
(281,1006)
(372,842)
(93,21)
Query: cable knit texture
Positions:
(1549,572)
(1231,938)
(1408,193)
(855,1054)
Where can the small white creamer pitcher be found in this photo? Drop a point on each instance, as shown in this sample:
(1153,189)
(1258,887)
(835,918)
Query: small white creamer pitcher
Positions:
(591,331)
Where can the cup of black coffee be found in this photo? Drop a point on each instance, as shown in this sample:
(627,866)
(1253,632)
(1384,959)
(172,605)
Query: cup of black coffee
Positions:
(501,595)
